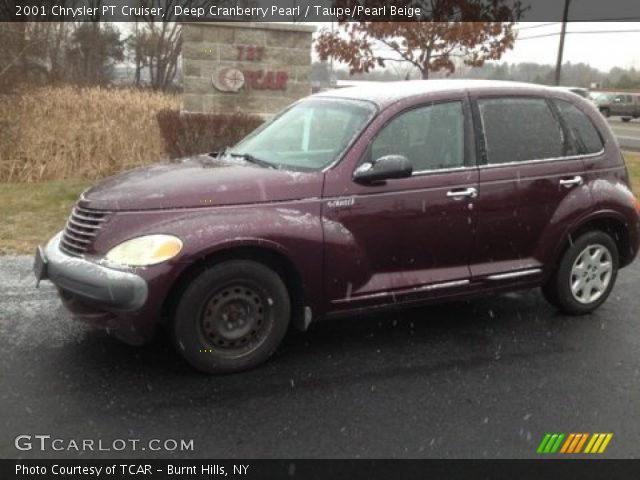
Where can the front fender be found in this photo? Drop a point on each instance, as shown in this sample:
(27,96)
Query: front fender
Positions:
(293,230)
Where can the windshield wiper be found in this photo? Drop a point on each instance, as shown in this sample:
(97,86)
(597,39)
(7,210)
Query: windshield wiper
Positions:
(253,159)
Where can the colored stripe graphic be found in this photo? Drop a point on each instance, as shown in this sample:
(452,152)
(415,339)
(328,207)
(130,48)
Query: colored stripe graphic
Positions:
(581,443)
(550,443)
(598,442)
(573,443)
(568,442)
(543,443)
(554,449)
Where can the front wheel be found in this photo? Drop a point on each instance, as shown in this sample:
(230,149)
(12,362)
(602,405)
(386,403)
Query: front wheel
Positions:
(585,276)
(231,316)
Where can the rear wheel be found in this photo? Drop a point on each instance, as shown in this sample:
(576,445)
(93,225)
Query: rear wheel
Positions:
(585,276)
(231,317)
(626,119)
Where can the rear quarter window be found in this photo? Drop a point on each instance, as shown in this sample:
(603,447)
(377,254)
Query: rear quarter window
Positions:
(520,129)
(582,129)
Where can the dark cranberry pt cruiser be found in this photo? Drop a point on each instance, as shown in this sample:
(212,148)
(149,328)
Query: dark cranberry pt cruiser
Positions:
(350,201)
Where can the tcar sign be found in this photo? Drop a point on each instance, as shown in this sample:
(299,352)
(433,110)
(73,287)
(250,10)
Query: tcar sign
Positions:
(228,79)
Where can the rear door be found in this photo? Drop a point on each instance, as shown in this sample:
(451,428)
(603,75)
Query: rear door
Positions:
(529,168)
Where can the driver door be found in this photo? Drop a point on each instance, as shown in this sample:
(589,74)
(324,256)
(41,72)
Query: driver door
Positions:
(410,238)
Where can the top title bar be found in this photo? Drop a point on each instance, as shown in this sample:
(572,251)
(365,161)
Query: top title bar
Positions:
(313,10)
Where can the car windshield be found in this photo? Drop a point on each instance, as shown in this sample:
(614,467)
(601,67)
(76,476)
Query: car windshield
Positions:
(310,135)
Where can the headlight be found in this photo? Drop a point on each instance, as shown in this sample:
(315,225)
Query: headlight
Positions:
(147,250)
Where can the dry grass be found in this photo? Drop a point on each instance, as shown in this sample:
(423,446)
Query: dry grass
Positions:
(62,133)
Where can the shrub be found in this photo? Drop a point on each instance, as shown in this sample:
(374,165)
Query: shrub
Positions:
(59,133)
(193,133)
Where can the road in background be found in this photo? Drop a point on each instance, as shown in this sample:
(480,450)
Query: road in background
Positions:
(628,134)
(484,378)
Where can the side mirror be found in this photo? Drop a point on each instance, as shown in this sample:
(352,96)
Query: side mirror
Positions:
(384,168)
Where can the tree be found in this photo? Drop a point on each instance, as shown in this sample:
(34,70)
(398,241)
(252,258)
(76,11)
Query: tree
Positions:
(159,43)
(137,47)
(159,47)
(95,47)
(431,45)
(33,53)
(627,81)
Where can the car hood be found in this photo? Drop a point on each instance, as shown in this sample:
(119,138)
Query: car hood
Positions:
(200,181)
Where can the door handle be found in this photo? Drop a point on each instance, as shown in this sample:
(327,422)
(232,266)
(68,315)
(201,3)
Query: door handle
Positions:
(570,182)
(463,193)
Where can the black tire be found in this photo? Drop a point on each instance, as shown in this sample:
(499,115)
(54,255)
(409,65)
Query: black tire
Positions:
(550,294)
(574,288)
(626,119)
(231,317)
(606,112)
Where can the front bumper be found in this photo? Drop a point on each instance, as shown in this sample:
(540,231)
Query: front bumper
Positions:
(90,281)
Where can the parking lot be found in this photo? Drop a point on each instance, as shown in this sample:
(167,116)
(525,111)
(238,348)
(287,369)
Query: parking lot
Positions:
(486,378)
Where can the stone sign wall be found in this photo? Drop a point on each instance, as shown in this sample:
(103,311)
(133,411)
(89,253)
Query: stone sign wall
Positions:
(254,68)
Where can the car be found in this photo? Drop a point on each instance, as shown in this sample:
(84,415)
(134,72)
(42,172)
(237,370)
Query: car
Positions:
(352,201)
(625,105)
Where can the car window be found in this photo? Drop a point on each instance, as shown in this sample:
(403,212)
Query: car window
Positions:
(582,128)
(520,129)
(308,136)
(431,137)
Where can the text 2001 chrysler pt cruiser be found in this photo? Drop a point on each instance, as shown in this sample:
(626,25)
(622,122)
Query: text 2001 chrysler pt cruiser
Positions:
(350,201)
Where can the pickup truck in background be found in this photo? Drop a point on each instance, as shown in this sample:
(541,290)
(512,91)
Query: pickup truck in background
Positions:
(625,105)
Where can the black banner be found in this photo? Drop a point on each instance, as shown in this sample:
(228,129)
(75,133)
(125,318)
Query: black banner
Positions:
(320,469)
(314,10)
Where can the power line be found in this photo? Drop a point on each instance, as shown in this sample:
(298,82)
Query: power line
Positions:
(583,32)
(531,27)
(612,19)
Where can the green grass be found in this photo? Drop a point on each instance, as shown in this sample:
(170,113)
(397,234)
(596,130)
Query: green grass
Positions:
(31,213)
(633,164)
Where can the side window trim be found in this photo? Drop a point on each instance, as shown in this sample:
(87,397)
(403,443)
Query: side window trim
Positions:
(469,153)
(576,144)
(570,143)
(478,129)
(481,140)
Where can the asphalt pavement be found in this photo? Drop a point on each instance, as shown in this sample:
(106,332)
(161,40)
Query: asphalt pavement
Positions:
(485,378)
(628,133)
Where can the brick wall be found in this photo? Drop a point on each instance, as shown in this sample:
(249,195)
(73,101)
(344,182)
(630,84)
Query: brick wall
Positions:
(255,68)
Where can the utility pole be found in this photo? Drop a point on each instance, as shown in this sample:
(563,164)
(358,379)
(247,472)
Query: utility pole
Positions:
(565,18)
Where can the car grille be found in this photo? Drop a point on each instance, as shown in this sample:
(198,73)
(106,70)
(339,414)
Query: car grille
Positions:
(80,230)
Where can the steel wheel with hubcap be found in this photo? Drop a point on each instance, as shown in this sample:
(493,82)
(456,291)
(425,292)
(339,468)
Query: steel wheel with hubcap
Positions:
(586,274)
(591,274)
(231,316)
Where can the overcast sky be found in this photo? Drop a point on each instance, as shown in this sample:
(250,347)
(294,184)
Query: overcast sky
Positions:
(600,50)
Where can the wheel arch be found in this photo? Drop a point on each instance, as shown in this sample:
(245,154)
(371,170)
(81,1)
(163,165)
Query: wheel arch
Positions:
(265,254)
(609,222)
